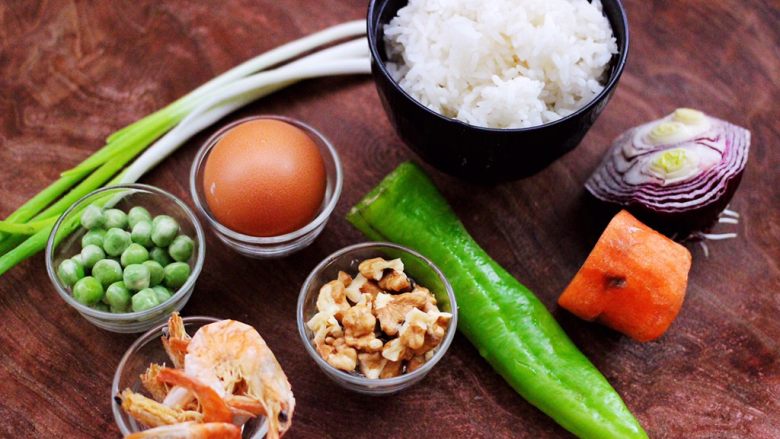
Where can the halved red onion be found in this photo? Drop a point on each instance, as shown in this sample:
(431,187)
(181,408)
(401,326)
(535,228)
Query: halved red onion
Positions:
(677,173)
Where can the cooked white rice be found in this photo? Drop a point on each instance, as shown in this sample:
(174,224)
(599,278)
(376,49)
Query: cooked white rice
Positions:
(500,63)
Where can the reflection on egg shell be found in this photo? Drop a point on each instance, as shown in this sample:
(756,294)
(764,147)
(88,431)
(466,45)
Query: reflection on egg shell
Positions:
(264,177)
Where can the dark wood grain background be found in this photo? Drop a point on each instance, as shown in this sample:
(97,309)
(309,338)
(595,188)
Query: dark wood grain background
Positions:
(72,72)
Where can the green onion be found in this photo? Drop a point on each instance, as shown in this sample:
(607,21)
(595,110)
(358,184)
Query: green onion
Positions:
(40,201)
(26,231)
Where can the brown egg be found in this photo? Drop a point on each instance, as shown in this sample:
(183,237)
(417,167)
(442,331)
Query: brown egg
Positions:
(264,177)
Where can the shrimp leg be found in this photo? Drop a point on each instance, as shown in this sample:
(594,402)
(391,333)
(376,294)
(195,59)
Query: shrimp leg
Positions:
(246,404)
(176,340)
(153,414)
(152,384)
(214,407)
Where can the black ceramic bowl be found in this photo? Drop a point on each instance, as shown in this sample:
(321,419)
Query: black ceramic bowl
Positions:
(477,153)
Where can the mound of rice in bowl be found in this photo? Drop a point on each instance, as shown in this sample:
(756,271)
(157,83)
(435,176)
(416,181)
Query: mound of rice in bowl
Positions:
(500,63)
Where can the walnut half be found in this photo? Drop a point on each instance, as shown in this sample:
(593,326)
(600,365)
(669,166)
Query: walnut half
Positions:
(391,310)
(331,304)
(359,323)
(375,268)
(336,352)
(371,364)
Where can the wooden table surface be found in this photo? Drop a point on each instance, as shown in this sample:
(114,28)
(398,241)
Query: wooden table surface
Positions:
(72,72)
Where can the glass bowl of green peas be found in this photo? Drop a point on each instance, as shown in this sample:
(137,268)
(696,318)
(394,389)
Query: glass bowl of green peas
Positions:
(126,256)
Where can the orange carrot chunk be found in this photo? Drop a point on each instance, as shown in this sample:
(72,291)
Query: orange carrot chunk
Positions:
(633,281)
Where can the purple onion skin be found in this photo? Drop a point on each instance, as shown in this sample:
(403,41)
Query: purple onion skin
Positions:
(680,225)
(659,205)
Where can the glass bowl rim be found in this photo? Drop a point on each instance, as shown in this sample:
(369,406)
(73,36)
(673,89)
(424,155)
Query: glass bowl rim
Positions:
(382,382)
(129,316)
(144,339)
(317,221)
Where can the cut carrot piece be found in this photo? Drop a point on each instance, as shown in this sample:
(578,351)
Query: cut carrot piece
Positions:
(633,281)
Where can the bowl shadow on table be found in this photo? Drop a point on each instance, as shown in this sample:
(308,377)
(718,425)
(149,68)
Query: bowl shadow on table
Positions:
(590,217)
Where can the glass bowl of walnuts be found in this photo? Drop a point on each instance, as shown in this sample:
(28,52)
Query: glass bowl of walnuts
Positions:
(376,317)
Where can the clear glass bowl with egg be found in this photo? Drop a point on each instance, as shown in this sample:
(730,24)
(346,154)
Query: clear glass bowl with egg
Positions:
(149,349)
(65,241)
(417,267)
(249,200)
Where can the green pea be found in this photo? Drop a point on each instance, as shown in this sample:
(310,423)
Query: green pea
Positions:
(156,272)
(88,290)
(100,306)
(78,259)
(164,230)
(136,277)
(94,237)
(137,214)
(116,241)
(92,217)
(161,256)
(118,297)
(176,275)
(115,218)
(181,248)
(144,299)
(163,294)
(91,254)
(142,233)
(134,254)
(107,271)
(70,272)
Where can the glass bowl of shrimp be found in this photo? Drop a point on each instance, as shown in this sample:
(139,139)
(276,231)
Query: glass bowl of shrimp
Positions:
(165,383)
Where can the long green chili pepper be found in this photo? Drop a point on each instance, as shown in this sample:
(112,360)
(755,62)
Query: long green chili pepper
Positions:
(509,326)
